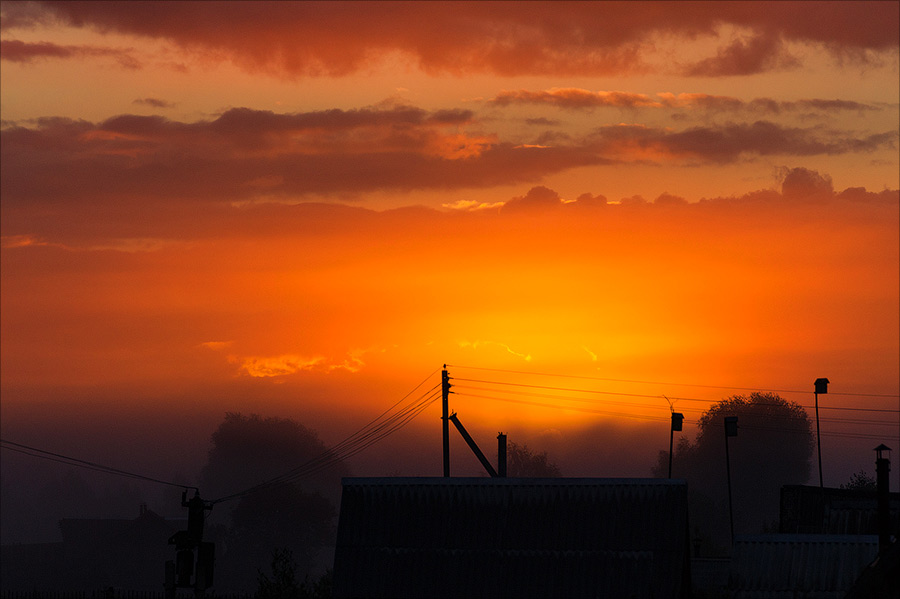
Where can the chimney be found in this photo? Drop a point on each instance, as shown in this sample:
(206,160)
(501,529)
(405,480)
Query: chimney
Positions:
(882,469)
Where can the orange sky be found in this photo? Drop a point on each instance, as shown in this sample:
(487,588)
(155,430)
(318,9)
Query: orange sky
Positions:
(316,205)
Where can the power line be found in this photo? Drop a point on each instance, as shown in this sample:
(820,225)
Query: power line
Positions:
(840,434)
(571,408)
(378,428)
(645,395)
(64,459)
(350,446)
(466,388)
(517,389)
(596,378)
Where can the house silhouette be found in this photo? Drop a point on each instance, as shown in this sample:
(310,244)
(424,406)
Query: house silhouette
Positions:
(94,553)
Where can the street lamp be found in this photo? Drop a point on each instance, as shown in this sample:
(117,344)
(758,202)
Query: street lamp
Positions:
(821,386)
(677,420)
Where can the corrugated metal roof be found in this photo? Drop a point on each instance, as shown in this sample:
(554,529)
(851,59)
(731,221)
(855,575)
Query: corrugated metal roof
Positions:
(806,509)
(798,566)
(511,537)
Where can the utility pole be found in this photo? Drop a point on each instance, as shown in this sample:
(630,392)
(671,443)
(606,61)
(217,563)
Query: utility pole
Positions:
(445,418)
(677,420)
(731,427)
(821,386)
(181,571)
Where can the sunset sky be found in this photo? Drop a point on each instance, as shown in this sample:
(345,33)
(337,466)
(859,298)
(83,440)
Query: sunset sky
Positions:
(304,209)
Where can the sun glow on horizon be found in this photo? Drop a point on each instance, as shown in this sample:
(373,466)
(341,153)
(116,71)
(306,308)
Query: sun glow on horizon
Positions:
(307,209)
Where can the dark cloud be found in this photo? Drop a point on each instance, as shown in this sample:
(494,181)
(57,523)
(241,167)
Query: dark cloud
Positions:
(668,199)
(18,51)
(802,184)
(153,102)
(542,122)
(504,38)
(588,199)
(25,52)
(731,142)
(758,55)
(861,194)
(151,159)
(575,98)
(537,199)
(766,105)
(78,220)
(139,163)
(579,99)
(830,105)
(452,117)
(634,201)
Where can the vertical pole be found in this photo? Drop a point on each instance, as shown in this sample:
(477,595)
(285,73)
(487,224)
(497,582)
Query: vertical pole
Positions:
(501,454)
(677,425)
(819,443)
(730,431)
(820,386)
(728,471)
(882,470)
(671,434)
(445,417)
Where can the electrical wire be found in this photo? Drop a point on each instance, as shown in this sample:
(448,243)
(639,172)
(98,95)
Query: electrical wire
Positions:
(64,459)
(395,417)
(645,395)
(348,447)
(466,388)
(596,378)
(570,408)
(386,423)
(506,388)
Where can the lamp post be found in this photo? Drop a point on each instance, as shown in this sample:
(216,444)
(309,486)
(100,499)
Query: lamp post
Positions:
(821,386)
(677,420)
(731,427)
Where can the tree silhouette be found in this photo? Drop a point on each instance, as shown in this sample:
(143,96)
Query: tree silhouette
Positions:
(773,448)
(282,584)
(861,481)
(522,462)
(297,516)
(248,450)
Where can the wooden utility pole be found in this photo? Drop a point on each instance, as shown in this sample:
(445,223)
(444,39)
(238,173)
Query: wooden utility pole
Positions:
(445,418)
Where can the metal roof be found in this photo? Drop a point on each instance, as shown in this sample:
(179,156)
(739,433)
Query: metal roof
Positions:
(798,566)
(806,509)
(512,537)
